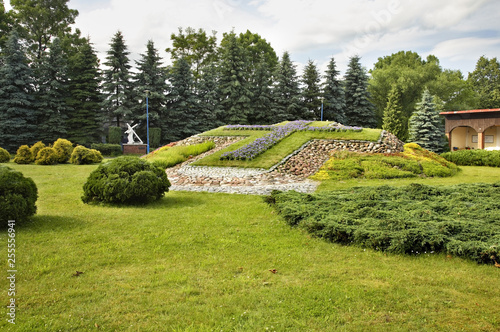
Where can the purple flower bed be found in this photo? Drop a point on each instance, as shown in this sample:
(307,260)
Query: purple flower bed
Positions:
(277,133)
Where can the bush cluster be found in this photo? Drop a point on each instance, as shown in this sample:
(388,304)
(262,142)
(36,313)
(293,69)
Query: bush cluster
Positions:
(84,156)
(46,156)
(4,156)
(110,150)
(461,220)
(125,180)
(473,158)
(59,152)
(63,148)
(18,196)
(23,155)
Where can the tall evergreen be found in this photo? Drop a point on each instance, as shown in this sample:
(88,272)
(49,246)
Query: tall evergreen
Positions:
(262,100)
(209,108)
(393,120)
(311,92)
(234,88)
(359,110)
(117,86)
(53,94)
(6,21)
(286,91)
(85,119)
(181,120)
(18,112)
(334,95)
(425,126)
(151,76)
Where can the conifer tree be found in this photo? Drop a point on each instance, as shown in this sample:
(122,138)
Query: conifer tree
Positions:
(334,95)
(393,120)
(209,109)
(262,95)
(235,93)
(5,26)
(181,120)
(425,125)
(359,110)
(311,92)
(286,91)
(85,119)
(18,112)
(53,94)
(117,86)
(151,76)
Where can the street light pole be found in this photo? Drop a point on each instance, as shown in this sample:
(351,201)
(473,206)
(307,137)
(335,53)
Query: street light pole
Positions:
(322,108)
(147,118)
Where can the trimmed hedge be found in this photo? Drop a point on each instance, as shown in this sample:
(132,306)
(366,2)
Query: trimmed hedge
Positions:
(18,196)
(111,150)
(4,156)
(154,137)
(82,156)
(23,155)
(126,180)
(474,158)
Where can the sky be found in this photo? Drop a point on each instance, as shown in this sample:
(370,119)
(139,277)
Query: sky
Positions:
(458,32)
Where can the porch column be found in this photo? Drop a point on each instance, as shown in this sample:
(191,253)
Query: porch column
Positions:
(448,135)
(480,140)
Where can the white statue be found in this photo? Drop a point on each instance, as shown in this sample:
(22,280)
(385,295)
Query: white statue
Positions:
(130,132)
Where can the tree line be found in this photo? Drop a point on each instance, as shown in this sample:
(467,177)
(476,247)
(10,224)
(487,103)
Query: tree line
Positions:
(52,84)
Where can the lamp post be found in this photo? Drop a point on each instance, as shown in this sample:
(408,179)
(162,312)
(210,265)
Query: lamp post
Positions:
(322,108)
(147,118)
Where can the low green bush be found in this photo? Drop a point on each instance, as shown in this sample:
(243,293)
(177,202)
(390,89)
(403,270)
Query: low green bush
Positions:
(125,180)
(473,158)
(18,196)
(4,156)
(63,148)
(35,148)
(461,220)
(23,155)
(110,150)
(46,156)
(82,156)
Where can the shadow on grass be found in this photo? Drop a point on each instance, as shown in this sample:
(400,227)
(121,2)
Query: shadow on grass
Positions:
(44,223)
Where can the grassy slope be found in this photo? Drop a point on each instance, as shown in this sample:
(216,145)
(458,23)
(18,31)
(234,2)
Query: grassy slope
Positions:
(279,151)
(198,261)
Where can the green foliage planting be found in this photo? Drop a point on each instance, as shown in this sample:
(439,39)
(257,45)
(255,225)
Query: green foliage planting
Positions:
(125,180)
(461,220)
(46,156)
(154,137)
(35,148)
(82,156)
(413,162)
(18,196)
(115,135)
(4,156)
(473,158)
(63,149)
(23,155)
(168,156)
(111,150)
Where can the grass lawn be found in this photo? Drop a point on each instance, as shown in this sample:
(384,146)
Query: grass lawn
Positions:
(200,262)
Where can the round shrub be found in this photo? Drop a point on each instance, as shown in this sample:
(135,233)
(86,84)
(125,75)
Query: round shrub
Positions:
(125,180)
(35,148)
(82,156)
(63,148)
(46,156)
(23,155)
(17,196)
(4,156)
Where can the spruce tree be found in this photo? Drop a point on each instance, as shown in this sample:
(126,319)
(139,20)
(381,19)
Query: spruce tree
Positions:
(286,91)
(209,108)
(18,112)
(181,120)
(359,110)
(311,92)
(262,95)
(117,86)
(425,125)
(334,95)
(393,120)
(235,93)
(85,119)
(151,76)
(53,94)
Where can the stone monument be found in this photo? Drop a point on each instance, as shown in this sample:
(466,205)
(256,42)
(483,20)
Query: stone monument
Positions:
(133,147)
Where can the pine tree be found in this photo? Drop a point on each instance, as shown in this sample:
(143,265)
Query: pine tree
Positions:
(18,113)
(85,120)
(235,93)
(181,120)
(359,110)
(53,94)
(311,92)
(117,86)
(425,125)
(209,108)
(334,95)
(151,76)
(262,95)
(393,120)
(286,91)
